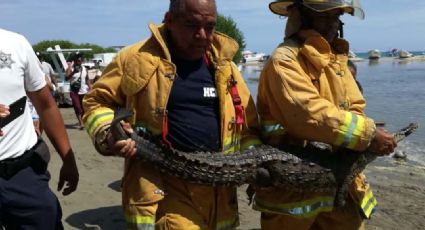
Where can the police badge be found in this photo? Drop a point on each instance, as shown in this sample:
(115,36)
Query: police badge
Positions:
(5,60)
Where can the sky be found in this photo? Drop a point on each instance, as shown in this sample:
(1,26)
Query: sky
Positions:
(388,23)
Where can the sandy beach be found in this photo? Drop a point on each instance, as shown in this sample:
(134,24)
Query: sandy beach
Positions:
(398,186)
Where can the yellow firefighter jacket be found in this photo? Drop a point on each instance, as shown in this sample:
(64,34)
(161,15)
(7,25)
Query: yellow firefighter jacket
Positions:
(306,92)
(140,78)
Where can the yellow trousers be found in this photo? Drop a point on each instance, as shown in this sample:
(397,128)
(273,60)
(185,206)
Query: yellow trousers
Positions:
(196,207)
(345,218)
(152,200)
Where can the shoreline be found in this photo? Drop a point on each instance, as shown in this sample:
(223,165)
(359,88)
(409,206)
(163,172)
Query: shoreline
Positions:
(398,186)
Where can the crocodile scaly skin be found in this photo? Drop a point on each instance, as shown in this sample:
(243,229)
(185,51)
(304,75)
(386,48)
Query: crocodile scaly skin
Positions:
(309,168)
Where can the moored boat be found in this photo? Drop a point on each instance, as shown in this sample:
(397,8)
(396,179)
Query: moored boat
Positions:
(404,54)
(253,57)
(353,57)
(374,54)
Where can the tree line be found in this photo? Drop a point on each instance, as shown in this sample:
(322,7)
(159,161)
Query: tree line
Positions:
(224,25)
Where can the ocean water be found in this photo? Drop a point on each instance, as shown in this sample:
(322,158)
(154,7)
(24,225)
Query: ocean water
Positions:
(395,94)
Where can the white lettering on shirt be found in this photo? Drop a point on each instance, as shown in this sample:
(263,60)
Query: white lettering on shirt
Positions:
(209,92)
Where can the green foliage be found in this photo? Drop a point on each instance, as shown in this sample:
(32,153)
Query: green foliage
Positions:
(43,45)
(227,26)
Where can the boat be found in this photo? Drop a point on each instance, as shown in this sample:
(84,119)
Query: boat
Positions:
(353,57)
(404,54)
(253,57)
(374,54)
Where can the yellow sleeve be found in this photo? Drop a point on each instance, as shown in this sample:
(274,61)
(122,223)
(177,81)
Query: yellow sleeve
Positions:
(105,96)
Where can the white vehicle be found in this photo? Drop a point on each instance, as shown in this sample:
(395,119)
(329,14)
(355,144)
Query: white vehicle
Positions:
(103,59)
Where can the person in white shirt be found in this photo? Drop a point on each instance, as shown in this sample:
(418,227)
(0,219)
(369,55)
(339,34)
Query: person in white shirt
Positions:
(29,203)
(50,73)
(80,84)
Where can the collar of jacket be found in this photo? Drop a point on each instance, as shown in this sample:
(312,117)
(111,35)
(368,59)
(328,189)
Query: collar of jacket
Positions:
(318,51)
(141,65)
(223,47)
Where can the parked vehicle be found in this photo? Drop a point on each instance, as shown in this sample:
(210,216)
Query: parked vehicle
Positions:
(103,59)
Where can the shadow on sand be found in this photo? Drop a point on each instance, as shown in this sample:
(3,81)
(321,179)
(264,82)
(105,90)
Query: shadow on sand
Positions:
(116,185)
(72,126)
(105,218)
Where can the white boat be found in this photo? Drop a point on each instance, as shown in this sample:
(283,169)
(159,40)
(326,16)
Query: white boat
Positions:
(353,57)
(404,54)
(253,57)
(374,54)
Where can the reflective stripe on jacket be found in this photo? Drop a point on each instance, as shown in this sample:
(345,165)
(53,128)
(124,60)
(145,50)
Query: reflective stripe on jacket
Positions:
(306,92)
(140,78)
(306,208)
(140,222)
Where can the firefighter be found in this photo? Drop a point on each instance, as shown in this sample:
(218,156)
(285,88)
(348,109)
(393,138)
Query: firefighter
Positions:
(182,86)
(306,93)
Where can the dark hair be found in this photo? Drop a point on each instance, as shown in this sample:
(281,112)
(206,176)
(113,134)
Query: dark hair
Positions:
(74,57)
(77,56)
(176,6)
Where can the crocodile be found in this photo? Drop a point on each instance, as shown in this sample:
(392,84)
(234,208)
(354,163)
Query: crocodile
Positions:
(313,168)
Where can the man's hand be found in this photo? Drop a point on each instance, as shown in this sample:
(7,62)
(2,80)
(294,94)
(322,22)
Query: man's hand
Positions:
(68,176)
(4,112)
(124,148)
(383,143)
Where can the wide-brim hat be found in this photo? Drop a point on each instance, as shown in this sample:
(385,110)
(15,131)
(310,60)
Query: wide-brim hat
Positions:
(352,7)
(281,7)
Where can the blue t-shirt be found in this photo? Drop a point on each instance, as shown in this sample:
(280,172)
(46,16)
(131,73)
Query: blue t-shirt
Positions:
(193,108)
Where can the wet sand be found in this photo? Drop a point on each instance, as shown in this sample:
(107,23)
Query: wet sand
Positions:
(399,188)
